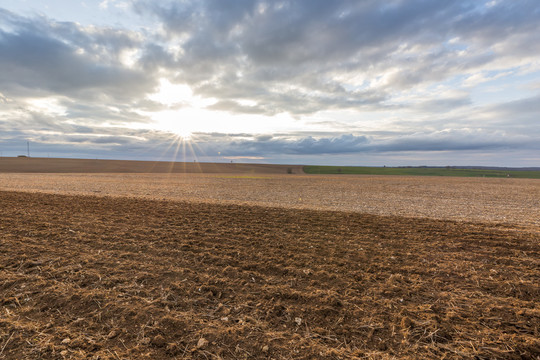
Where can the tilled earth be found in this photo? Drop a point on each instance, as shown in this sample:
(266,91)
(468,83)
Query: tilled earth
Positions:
(510,201)
(87,277)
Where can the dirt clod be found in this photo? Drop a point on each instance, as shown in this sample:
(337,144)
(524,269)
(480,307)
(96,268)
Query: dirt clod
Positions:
(202,343)
(112,334)
(158,341)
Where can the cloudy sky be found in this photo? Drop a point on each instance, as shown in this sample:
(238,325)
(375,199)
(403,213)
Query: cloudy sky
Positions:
(359,82)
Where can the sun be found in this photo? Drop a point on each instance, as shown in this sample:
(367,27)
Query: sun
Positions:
(175,122)
(183,134)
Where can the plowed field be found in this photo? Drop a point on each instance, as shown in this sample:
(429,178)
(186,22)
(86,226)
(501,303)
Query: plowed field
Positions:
(87,277)
(511,201)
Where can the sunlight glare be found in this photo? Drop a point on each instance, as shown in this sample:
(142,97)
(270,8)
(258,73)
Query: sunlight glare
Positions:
(176,122)
(185,113)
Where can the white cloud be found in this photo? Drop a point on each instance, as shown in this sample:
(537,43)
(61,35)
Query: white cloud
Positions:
(104,4)
(47,106)
(323,72)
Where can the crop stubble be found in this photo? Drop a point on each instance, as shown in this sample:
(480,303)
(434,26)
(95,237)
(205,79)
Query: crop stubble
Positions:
(511,201)
(116,277)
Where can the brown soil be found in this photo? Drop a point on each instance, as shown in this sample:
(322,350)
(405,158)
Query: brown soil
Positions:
(88,277)
(510,201)
(46,165)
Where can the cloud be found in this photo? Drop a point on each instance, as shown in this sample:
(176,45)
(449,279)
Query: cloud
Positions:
(444,104)
(364,77)
(299,57)
(307,145)
(290,52)
(61,81)
(527,106)
(112,142)
(41,56)
(463,140)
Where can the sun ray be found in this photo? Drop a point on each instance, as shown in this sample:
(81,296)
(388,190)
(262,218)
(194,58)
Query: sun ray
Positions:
(196,160)
(179,141)
(170,145)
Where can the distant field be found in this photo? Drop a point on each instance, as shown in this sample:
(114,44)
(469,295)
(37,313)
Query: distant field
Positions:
(500,200)
(46,165)
(357,170)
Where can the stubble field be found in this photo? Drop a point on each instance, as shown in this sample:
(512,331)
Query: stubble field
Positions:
(118,266)
(512,201)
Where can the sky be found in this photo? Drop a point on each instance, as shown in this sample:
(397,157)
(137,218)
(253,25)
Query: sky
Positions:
(342,82)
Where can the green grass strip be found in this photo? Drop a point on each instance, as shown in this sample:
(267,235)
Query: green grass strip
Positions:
(421,171)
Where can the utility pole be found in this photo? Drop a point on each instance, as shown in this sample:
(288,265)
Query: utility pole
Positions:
(28,148)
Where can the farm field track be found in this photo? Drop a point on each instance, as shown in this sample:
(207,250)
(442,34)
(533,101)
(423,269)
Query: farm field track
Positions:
(514,202)
(88,277)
